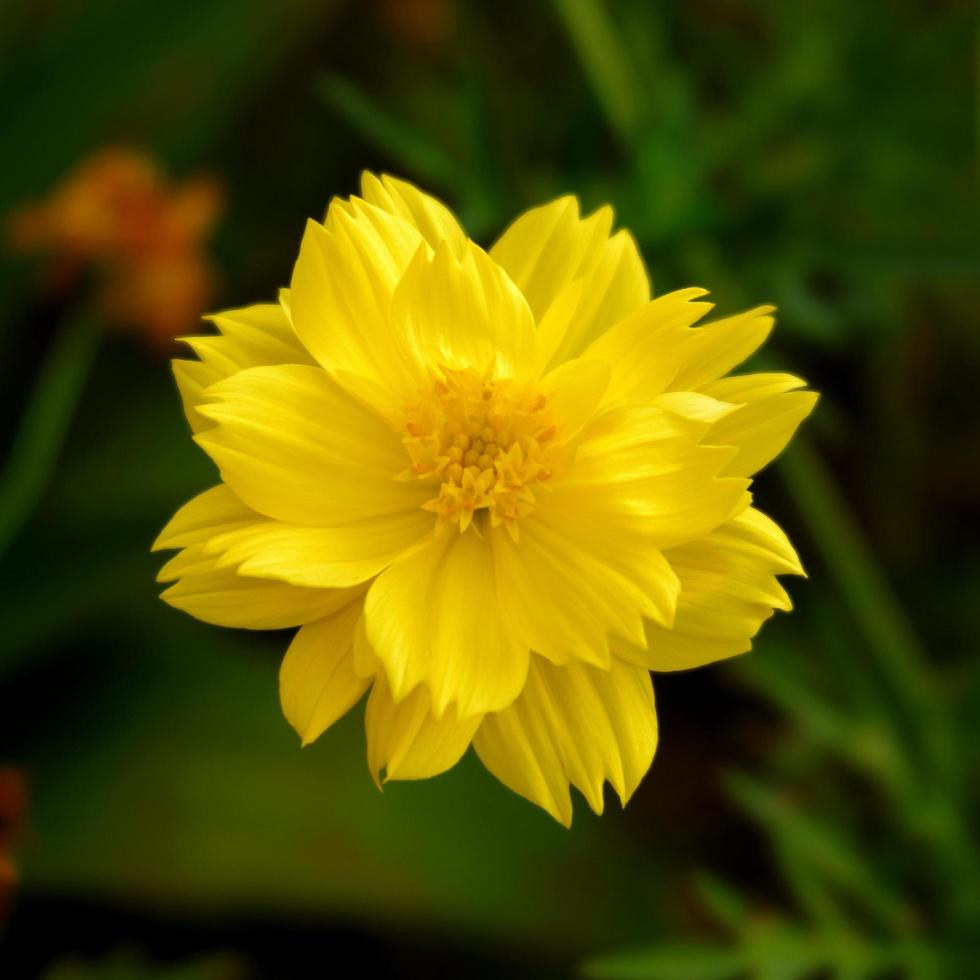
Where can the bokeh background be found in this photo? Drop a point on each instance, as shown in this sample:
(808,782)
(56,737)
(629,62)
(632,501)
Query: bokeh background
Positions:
(813,808)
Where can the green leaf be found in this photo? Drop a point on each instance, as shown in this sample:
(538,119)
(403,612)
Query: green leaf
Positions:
(391,134)
(45,422)
(880,617)
(606,62)
(722,900)
(670,961)
(825,848)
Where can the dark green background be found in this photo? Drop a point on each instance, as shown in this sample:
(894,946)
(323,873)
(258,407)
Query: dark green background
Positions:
(812,810)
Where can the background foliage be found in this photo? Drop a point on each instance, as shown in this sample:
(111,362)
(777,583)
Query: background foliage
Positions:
(813,807)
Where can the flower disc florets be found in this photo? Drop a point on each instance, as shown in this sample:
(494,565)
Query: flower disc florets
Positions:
(485,440)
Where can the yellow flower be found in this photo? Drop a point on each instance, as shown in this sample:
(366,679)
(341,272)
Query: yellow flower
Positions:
(496,489)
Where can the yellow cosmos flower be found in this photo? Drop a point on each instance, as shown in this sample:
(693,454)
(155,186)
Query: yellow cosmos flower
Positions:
(495,488)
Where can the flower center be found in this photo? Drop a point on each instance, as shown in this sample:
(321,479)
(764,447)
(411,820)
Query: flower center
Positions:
(485,440)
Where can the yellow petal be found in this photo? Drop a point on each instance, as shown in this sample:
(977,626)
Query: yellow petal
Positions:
(556,322)
(649,465)
(722,345)
(192,560)
(232,535)
(249,337)
(192,378)
(728,590)
(769,412)
(647,348)
(341,292)
(576,724)
(321,557)
(550,247)
(578,574)
(293,445)
(464,312)
(214,591)
(317,682)
(209,513)
(407,741)
(741,388)
(433,618)
(224,598)
(694,405)
(574,391)
(434,221)
(366,662)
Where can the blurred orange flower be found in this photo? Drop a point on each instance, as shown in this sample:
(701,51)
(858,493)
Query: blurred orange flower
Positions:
(419,23)
(13,805)
(117,213)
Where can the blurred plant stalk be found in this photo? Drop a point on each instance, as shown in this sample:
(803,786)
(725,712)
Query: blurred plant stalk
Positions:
(930,792)
(45,422)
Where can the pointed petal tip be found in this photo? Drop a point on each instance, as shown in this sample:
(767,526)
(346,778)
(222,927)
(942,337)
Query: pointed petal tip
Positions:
(565,819)
(367,175)
(160,542)
(169,598)
(607,211)
(312,226)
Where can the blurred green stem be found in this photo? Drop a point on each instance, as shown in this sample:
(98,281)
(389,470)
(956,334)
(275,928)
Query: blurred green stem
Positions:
(879,617)
(388,131)
(605,61)
(44,424)
(935,815)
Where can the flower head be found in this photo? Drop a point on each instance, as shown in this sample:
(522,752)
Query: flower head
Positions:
(494,488)
(117,214)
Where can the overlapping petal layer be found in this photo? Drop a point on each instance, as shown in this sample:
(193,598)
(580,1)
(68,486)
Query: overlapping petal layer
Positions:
(575,724)
(342,286)
(769,409)
(213,590)
(609,574)
(653,467)
(463,311)
(433,618)
(253,336)
(430,217)
(728,590)
(647,348)
(295,446)
(405,740)
(226,599)
(559,259)
(317,680)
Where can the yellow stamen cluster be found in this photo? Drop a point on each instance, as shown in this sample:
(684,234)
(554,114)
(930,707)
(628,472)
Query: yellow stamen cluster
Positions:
(485,440)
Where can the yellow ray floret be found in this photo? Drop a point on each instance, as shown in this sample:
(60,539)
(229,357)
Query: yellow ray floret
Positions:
(493,489)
